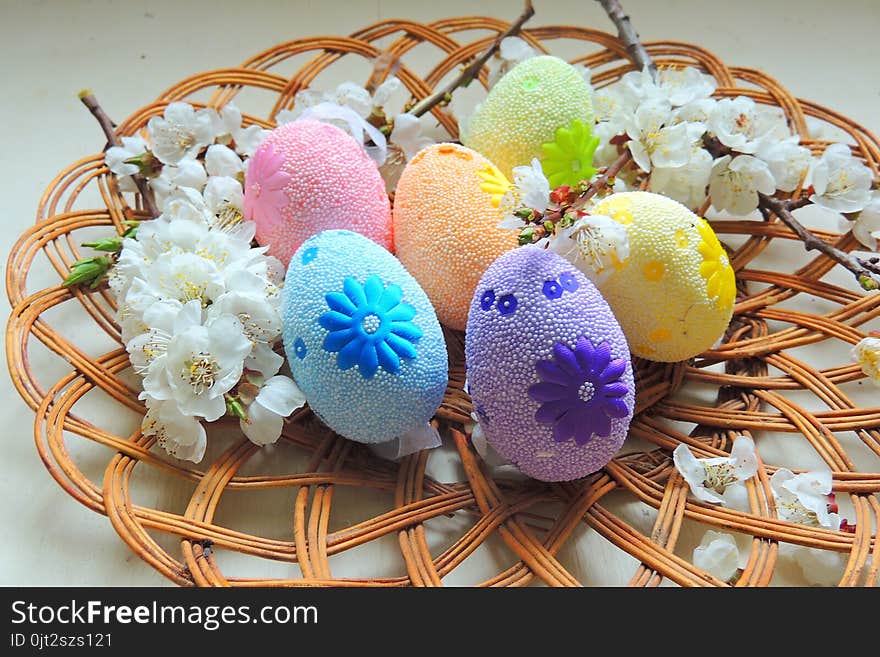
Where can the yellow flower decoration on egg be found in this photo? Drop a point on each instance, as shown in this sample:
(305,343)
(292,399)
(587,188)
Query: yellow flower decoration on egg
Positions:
(568,159)
(716,269)
(495,183)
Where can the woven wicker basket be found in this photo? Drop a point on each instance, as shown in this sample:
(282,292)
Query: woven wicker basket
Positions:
(532,521)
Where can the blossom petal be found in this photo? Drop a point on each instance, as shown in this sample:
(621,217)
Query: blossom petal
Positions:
(546,391)
(368,362)
(354,291)
(401,347)
(338,339)
(406,330)
(340,303)
(389,360)
(373,289)
(349,354)
(334,321)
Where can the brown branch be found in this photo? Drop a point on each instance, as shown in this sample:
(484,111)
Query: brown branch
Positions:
(602,180)
(109,127)
(467,75)
(627,33)
(595,187)
(865,272)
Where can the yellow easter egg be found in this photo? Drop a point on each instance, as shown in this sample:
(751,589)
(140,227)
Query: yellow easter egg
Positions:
(674,294)
(445,220)
(542,108)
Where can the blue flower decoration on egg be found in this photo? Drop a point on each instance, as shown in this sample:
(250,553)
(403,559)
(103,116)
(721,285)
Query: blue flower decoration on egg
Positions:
(580,391)
(369,326)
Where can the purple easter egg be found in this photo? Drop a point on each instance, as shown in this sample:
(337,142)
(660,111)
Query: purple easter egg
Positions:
(548,366)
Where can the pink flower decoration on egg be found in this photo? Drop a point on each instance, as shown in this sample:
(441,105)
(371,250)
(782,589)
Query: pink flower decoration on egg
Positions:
(264,197)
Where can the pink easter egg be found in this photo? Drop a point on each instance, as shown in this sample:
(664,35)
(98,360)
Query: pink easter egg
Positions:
(308,176)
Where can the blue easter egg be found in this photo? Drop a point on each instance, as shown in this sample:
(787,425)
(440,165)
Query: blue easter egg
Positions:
(548,366)
(362,338)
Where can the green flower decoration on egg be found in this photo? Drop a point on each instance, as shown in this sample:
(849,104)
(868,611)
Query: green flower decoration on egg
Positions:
(568,159)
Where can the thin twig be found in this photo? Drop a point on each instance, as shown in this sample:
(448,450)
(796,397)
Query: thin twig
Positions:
(602,180)
(627,33)
(595,187)
(866,273)
(109,127)
(467,75)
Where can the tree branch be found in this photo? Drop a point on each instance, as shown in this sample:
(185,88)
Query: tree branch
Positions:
(109,128)
(467,74)
(627,33)
(865,272)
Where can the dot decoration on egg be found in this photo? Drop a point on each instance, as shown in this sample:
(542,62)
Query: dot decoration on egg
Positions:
(487,300)
(299,348)
(552,289)
(369,327)
(580,391)
(309,255)
(507,304)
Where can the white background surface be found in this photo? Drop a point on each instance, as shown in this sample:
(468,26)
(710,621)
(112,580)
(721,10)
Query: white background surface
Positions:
(128,52)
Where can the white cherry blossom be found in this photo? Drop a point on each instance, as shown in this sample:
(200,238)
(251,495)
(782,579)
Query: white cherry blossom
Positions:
(595,244)
(718,555)
(653,142)
(719,480)
(741,124)
(686,184)
(530,189)
(180,132)
(866,227)
(201,364)
(407,134)
(734,183)
(187,173)
(228,129)
(181,435)
(221,160)
(867,354)
(787,160)
(805,498)
(840,180)
(512,51)
(278,397)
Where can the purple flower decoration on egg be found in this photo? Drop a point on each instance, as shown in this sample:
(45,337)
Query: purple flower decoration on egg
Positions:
(369,326)
(580,391)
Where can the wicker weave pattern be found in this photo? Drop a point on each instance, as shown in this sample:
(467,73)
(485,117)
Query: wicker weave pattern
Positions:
(750,398)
